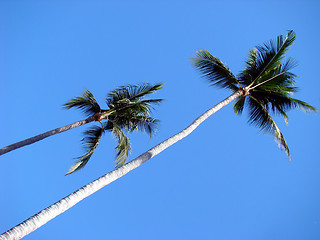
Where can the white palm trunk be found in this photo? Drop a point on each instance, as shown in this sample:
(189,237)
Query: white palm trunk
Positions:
(44,135)
(64,204)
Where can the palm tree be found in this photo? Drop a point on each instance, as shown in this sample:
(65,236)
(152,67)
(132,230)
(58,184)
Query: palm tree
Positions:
(265,85)
(127,111)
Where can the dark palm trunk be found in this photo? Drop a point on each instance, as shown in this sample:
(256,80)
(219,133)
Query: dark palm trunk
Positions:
(44,135)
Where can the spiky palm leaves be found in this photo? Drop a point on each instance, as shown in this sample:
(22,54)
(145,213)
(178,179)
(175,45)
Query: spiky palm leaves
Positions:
(266,84)
(127,111)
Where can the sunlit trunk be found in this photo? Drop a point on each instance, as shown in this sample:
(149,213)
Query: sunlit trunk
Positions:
(44,135)
(64,204)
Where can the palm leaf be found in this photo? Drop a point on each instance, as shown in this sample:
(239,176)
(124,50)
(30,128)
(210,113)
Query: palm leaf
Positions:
(276,90)
(268,57)
(144,123)
(214,70)
(123,148)
(279,78)
(87,103)
(141,123)
(260,117)
(142,90)
(138,107)
(247,75)
(278,102)
(302,105)
(90,141)
(131,93)
(128,100)
(239,105)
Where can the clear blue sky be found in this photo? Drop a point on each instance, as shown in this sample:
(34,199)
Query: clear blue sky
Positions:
(224,181)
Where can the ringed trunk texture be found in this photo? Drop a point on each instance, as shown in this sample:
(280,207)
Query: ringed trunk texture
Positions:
(44,135)
(64,204)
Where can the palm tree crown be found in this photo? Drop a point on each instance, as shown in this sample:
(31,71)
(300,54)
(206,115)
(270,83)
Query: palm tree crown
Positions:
(266,83)
(128,111)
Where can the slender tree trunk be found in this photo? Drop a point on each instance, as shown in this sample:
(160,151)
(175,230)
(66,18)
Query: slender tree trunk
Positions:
(44,135)
(64,204)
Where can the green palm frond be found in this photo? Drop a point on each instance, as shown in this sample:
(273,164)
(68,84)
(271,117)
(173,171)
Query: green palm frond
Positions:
(260,117)
(90,141)
(138,107)
(142,90)
(123,148)
(239,105)
(302,105)
(247,75)
(267,57)
(131,93)
(279,78)
(215,71)
(128,100)
(141,123)
(87,103)
(271,53)
(131,110)
(119,124)
(276,89)
(280,103)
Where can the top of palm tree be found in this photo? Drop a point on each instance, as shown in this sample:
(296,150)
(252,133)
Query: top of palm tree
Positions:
(87,103)
(132,92)
(267,83)
(128,111)
(129,108)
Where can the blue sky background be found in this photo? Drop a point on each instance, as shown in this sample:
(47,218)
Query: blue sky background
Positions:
(224,181)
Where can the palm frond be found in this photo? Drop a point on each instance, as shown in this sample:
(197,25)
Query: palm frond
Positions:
(145,124)
(90,141)
(123,148)
(131,93)
(277,101)
(277,88)
(302,105)
(142,90)
(247,75)
(214,70)
(145,106)
(129,100)
(281,140)
(141,123)
(87,103)
(138,107)
(268,57)
(279,78)
(155,101)
(260,117)
(239,105)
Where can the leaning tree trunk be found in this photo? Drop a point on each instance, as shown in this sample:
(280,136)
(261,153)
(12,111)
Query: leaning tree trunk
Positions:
(64,204)
(44,135)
